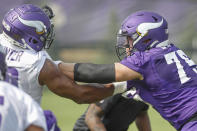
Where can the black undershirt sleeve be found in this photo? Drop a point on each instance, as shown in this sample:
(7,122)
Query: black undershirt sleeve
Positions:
(94,73)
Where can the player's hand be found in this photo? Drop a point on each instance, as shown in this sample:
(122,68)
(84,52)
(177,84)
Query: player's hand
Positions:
(132,94)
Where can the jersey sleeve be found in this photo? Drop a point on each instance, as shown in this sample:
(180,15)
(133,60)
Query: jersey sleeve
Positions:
(141,61)
(34,113)
(41,60)
(134,62)
(38,65)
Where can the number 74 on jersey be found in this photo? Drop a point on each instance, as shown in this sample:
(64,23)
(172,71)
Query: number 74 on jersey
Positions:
(173,58)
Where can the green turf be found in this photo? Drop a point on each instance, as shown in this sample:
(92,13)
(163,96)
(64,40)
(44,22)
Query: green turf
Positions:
(67,113)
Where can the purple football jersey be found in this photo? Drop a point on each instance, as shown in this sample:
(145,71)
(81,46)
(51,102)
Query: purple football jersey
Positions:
(169,84)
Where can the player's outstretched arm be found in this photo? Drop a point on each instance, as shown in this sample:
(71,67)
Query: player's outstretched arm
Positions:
(63,86)
(93,118)
(98,73)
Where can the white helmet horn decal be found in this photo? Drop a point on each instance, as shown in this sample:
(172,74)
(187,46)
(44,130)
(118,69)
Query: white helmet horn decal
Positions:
(39,25)
(143,28)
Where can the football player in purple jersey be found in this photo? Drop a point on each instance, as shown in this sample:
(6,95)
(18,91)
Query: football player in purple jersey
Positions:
(162,73)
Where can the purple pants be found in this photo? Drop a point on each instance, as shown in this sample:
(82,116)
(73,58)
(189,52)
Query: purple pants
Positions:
(190,126)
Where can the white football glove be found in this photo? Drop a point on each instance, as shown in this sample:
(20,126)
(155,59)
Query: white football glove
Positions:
(119,87)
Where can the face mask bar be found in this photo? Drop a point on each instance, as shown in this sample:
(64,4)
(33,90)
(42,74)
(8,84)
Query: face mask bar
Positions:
(120,52)
(49,38)
(122,45)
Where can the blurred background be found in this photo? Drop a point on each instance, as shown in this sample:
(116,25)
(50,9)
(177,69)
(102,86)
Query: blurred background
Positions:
(86,32)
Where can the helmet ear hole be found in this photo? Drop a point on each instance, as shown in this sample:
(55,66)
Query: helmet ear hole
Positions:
(155,18)
(30,39)
(146,41)
(35,41)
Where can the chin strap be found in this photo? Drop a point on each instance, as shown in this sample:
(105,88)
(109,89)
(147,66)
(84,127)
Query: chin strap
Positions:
(12,41)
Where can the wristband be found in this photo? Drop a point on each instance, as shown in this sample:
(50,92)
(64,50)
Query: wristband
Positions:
(119,87)
(94,73)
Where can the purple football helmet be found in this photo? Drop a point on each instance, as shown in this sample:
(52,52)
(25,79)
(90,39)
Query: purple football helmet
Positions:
(146,29)
(29,27)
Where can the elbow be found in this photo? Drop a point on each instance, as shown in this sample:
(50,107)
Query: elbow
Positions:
(79,98)
(81,101)
(78,101)
(72,91)
(83,98)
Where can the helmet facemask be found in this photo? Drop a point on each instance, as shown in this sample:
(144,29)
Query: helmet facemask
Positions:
(124,46)
(48,40)
(50,35)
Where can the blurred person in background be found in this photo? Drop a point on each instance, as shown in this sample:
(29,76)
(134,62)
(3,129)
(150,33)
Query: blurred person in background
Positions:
(27,32)
(18,111)
(114,113)
(162,73)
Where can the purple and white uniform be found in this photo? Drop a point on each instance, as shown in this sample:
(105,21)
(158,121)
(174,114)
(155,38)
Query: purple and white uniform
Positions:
(27,31)
(169,84)
(24,67)
(18,110)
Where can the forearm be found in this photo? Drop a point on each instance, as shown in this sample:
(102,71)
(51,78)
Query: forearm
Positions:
(94,73)
(93,118)
(87,93)
(95,124)
(98,73)
(95,92)
(142,122)
(89,73)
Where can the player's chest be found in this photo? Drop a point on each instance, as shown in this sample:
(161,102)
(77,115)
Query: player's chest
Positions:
(13,55)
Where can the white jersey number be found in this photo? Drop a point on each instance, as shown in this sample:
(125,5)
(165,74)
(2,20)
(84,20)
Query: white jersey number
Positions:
(172,58)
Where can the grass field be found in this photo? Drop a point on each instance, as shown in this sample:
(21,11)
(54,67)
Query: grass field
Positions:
(67,113)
